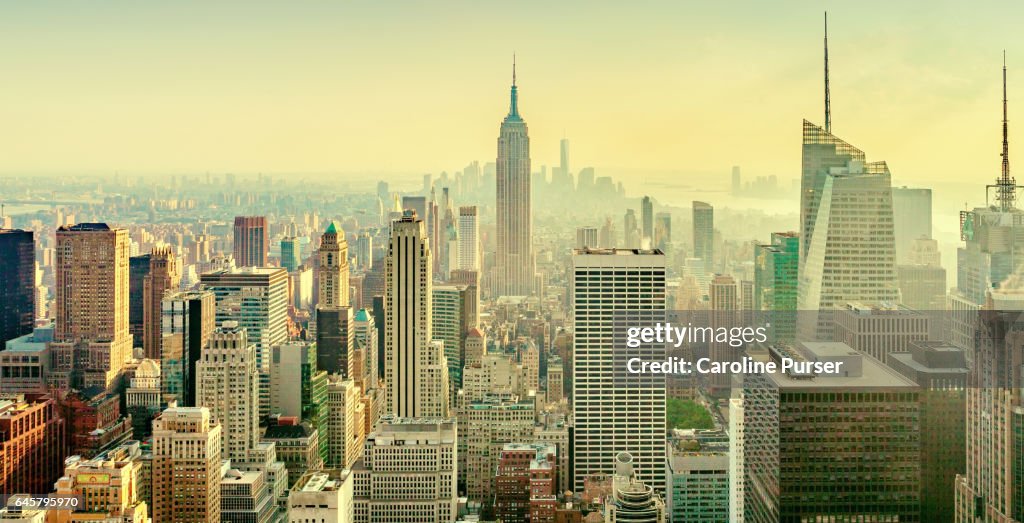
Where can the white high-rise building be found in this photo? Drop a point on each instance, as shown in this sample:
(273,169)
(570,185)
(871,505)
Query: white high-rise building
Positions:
(849,253)
(227,383)
(345,422)
(415,368)
(614,410)
(186,466)
(736,458)
(333,274)
(408,472)
(469,238)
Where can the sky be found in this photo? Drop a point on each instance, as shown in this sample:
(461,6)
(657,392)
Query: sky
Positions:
(361,87)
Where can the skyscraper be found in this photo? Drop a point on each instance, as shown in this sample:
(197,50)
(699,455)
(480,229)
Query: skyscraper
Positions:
(138,269)
(450,322)
(586,237)
(345,423)
(469,238)
(334,272)
(251,241)
(514,262)
(92,340)
(227,383)
(415,368)
(256,298)
(776,266)
(188,319)
(290,256)
(163,277)
(631,230)
(615,411)
(848,248)
(186,466)
(364,251)
(662,231)
(704,233)
(647,221)
(17,283)
(912,218)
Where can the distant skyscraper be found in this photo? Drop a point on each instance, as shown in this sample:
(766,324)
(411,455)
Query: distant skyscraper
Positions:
(256,298)
(469,238)
(334,272)
(662,231)
(912,218)
(514,262)
(251,241)
(776,266)
(922,279)
(647,221)
(631,231)
(564,156)
(164,276)
(704,233)
(848,252)
(418,204)
(614,410)
(450,322)
(345,423)
(415,368)
(138,269)
(187,320)
(364,251)
(227,383)
(17,283)
(737,183)
(586,237)
(186,466)
(290,256)
(92,337)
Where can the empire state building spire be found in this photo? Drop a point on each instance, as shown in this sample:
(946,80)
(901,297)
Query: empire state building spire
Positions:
(513,109)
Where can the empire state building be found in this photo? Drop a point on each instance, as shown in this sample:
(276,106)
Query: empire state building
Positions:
(514,264)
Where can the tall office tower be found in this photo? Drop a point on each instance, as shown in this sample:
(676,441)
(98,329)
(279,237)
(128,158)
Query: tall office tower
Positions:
(616,411)
(848,251)
(31,444)
(365,334)
(335,341)
(257,299)
(450,322)
(364,251)
(164,276)
(514,262)
(92,340)
(662,231)
(188,318)
(17,283)
(737,444)
(941,372)
(992,489)
(186,466)
(922,279)
(106,486)
(324,496)
(723,293)
(737,181)
(606,236)
(647,221)
(491,423)
(704,233)
(631,230)
(333,271)
(415,369)
(912,218)
(251,241)
(632,499)
(872,421)
(724,301)
(586,237)
(291,258)
(469,238)
(526,482)
(345,422)
(138,269)
(699,484)
(408,472)
(227,383)
(298,388)
(564,154)
(776,266)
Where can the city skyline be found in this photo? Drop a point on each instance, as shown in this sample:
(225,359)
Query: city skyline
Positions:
(317,101)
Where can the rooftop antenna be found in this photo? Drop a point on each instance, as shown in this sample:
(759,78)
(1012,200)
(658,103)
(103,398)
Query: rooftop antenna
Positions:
(1005,186)
(513,69)
(828,108)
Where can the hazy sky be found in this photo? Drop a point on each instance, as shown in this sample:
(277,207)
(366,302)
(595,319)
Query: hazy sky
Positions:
(378,87)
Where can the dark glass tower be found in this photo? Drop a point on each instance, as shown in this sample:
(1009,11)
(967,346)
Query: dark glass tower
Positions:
(17,283)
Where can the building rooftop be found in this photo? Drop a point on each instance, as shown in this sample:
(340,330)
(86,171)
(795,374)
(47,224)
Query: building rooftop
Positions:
(867,371)
(321,480)
(616,251)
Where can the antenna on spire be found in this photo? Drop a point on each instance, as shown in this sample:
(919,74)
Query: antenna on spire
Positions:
(1006,186)
(828,107)
(513,69)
